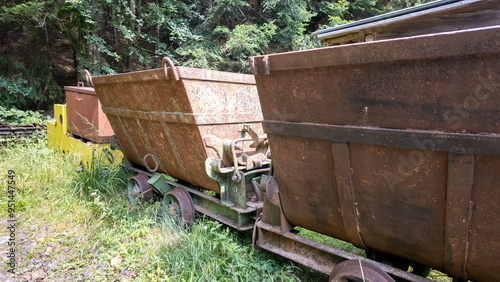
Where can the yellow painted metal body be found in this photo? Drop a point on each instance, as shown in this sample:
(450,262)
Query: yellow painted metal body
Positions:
(82,153)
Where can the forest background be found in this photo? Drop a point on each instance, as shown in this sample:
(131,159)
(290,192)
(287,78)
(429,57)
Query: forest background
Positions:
(46,44)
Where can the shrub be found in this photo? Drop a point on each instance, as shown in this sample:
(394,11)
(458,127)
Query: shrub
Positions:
(14,91)
(27,87)
(14,116)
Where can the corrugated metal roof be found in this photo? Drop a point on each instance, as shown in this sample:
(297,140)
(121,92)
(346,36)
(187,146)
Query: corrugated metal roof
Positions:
(391,17)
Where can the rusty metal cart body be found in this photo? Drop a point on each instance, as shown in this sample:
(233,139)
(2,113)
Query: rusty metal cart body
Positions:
(85,116)
(198,126)
(392,145)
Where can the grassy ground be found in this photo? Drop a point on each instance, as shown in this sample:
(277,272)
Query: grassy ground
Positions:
(80,226)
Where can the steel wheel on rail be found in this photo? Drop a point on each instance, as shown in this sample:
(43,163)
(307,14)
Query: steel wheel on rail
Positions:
(178,203)
(358,270)
(139,189)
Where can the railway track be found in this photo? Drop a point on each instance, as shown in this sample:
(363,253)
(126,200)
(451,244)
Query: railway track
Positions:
(16,132)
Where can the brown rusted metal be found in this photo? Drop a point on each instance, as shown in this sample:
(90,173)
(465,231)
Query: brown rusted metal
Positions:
(362,270)
(164,62)
(460,143)
(88,77)
(146,165)
(170,112)
(458,210)
(179,203)
(139,188)
(85,116)
(277,235)
(315,255)
(392,144)
(345,189)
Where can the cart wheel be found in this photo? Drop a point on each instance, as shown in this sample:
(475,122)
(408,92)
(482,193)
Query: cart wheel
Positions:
(139,189)
(179,204)
(358,270)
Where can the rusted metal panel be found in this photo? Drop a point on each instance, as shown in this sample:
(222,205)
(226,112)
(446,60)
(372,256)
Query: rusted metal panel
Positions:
(401,200)
(345,188)
(407,130)
(461,143)
(458,211)
(483,256)
(170,118)
(320,257)
(308,164)
(85,116)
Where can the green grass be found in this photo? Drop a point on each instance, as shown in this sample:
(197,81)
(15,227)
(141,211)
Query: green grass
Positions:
(210,251)
(93,233)
(336,243)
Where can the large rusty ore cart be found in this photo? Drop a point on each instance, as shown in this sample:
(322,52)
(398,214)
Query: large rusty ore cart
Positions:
(198,126)
(391,145)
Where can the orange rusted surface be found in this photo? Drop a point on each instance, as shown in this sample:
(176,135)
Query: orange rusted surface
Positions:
(85,116)
(170,118)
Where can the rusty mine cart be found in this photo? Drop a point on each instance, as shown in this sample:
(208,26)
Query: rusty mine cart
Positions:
(194,136)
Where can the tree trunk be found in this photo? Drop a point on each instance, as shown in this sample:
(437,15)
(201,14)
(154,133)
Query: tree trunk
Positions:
(115,31)
(101,21)
(138,15)
(132,7)
(133,10)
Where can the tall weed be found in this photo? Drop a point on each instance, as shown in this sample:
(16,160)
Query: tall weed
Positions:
(210,251)
(88,214)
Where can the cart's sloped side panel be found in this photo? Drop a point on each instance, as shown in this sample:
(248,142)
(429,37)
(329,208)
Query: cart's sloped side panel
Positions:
(153,115)
(171,119)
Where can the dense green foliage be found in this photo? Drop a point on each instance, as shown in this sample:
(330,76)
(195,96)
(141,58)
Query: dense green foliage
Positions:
(24,87)
(14,116)
(49,41)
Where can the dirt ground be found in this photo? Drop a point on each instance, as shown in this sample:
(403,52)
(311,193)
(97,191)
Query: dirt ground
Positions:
(43,255)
